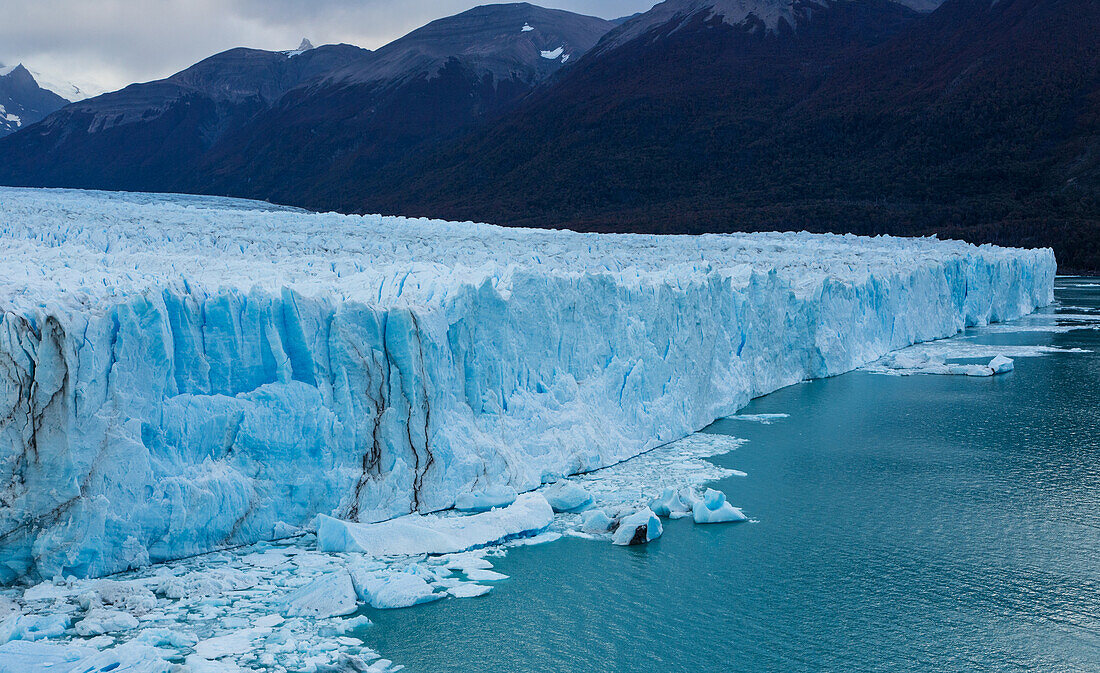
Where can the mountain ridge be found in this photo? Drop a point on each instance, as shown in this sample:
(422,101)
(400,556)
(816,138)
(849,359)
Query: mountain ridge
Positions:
(23,101)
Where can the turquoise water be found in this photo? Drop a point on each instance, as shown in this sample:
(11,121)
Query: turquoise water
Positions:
(918,523)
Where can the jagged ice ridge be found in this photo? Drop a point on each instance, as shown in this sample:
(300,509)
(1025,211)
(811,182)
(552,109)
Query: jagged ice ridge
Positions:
(180,374)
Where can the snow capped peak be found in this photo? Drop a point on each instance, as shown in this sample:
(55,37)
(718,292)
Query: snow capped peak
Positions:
(305,46)
(67,90)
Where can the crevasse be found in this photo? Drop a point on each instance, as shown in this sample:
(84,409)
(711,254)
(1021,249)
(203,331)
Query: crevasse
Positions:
(180,374)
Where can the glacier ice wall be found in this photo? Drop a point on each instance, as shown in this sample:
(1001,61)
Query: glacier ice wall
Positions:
(182,374)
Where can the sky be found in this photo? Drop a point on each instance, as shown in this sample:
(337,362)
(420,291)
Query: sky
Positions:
(103,45)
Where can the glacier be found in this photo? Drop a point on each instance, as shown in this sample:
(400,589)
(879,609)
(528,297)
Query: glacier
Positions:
(187,374)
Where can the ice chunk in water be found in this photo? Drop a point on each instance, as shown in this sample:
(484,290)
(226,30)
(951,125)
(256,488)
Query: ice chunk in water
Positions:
(485,575)
(100,620)
(330,595)
(639,528)
(41,657)
(468,590)
(713,508)
(1001,364)
(969,370)
(671,504)
(596,521)
(432,534)
(387,589)
(483,501)
(32,627)
(23,656)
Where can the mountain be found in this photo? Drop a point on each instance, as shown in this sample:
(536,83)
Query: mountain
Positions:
(452,74)
(663,111)
(62,86)
(22,101)
(283,125)
(142,137)
(975,121)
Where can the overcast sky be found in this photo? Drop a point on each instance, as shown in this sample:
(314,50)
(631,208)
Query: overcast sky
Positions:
(111,43)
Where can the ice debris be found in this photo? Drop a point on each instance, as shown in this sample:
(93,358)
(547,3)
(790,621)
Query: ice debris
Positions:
(98,621)
(907,363)
(713,508)
(674,503)
(639,528)
(596,521)
(436,534)
(387,589)
(330,595)
(763,419)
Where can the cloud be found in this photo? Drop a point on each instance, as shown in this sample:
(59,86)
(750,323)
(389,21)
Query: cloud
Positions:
(111,43)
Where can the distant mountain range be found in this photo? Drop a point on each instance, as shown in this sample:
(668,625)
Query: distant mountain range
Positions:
(977,120)
(22,101)
(283,125)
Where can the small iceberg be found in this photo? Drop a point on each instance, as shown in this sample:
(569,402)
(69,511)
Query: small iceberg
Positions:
(639,528)
(415,534)
(387,590)
(330,595)
(596,521)
(674,504)
(1001,365)
(468,590)
(483,501)
(906,364)
(763,419)
(33,627)
(98,621)
(713,508)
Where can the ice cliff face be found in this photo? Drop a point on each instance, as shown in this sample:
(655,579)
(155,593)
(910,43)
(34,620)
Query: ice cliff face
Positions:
(179,374)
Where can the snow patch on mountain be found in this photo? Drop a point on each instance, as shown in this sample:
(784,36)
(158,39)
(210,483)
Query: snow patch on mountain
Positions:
(70,91)
(766,13)
(184,374)
(305,46)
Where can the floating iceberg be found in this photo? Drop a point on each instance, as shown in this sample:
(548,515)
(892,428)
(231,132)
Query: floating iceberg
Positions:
(713,508)
(32,627)
(673,504)
(41,657)
(596,521)
(915,361)
(468,590)
(330,595)
(185,374)
(101,620)
(415,534)
(639,528)
(385,589)
(1001,365)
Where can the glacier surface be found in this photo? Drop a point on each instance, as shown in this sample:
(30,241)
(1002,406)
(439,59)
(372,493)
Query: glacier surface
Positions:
(185,374)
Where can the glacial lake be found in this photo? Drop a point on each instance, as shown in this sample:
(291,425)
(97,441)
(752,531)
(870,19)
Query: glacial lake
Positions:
(920,523)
